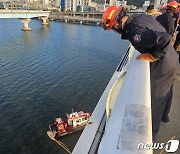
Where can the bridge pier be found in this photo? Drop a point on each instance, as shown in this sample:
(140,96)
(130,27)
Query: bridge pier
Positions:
(26,22)
(45,20)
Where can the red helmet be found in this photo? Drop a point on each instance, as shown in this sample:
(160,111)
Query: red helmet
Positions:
(173,4)
(111,15)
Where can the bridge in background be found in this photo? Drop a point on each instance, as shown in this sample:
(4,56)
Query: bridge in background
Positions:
(79,19)
(83,17)
(25,16)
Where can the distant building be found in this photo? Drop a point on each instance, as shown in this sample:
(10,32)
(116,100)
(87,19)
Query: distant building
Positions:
(112,2)
(46,2)
(117,2)
(31,1)
(68,5)
(157,3)
(162,2)
(2,5)
(121,3)
(146,4)
(55,3)
(73,5)
(62,6)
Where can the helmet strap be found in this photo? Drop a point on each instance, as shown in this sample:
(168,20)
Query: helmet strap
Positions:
(119,28)
(119,21)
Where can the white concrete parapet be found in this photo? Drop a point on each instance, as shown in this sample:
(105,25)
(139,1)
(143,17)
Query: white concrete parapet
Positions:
(130,121)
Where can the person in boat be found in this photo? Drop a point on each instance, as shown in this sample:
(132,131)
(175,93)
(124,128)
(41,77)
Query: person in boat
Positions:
(154,43)
(169,19)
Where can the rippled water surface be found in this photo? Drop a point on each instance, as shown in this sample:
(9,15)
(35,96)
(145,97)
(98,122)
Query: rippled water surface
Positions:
(45,73)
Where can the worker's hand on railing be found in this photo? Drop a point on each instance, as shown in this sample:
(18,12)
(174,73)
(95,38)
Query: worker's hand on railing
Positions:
(146,56)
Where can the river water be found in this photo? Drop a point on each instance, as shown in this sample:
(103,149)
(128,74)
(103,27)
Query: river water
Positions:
(45,73)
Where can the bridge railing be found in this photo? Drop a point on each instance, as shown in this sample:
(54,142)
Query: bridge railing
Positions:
(135,95)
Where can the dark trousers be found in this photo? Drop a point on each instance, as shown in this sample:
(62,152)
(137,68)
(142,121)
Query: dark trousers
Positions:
(177,43)
(161,88)
(168,103)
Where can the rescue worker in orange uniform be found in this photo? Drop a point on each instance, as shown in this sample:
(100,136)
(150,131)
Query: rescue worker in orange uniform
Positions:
(168,19)
(154,43)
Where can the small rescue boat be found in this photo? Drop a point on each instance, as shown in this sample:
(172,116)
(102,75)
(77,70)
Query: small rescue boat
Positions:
(75,121)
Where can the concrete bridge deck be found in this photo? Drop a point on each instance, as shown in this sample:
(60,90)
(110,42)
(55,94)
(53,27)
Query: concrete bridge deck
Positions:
(25,16)
(171,129)
(23,13)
